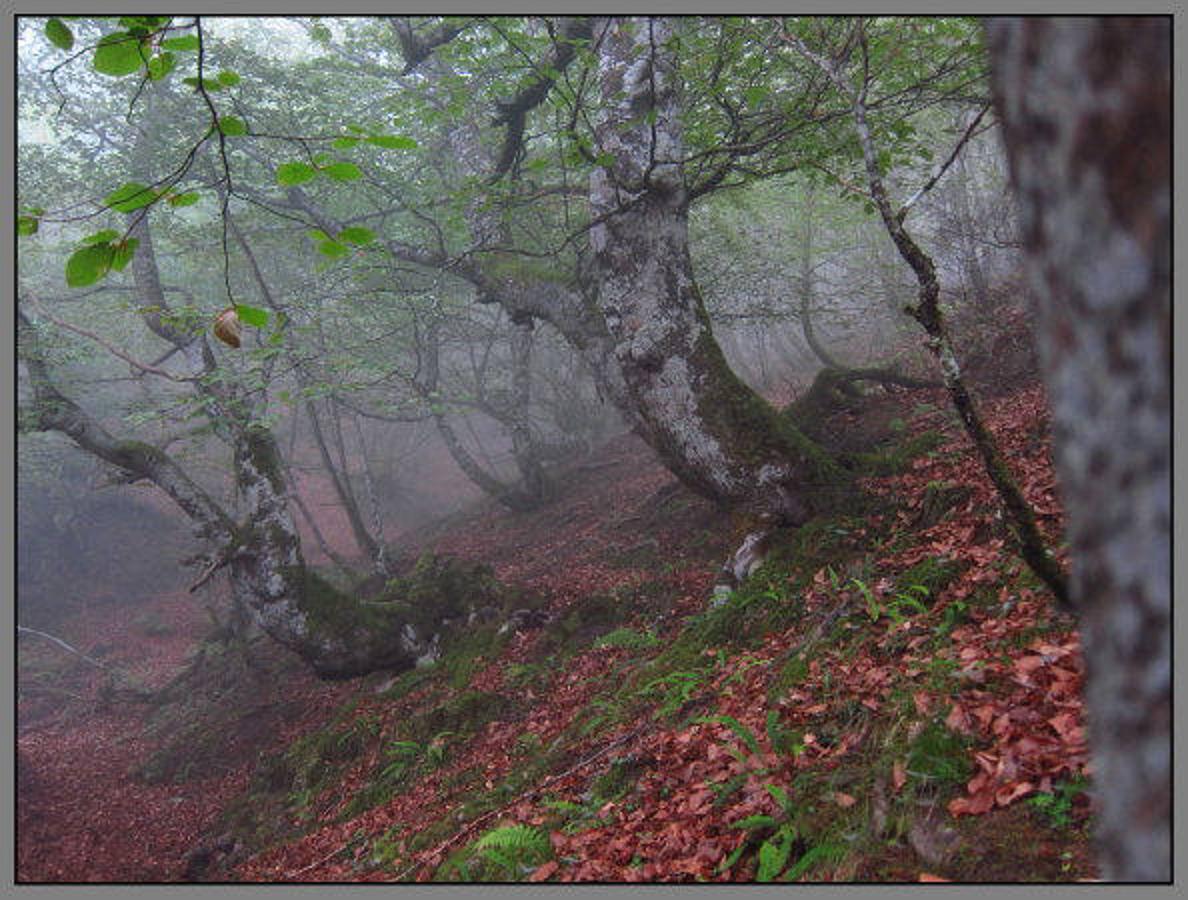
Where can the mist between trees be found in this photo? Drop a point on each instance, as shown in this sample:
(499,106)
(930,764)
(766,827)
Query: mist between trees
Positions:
(317,283)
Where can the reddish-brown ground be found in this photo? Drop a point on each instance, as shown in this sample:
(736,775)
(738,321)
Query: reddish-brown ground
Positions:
(81,817)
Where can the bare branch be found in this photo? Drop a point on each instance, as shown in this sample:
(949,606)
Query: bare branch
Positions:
(111,348)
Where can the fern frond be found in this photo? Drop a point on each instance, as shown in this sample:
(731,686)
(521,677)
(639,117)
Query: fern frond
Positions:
(515,837)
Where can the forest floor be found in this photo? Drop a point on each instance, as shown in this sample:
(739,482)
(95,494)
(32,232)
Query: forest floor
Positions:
(890,698)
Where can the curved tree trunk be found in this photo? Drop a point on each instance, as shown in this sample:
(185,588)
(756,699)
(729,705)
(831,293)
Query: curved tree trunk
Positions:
(713,431)
(335,634)
(1086,106)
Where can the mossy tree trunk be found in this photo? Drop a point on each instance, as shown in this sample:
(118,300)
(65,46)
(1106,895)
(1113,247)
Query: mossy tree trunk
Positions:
(713,431)
(334,633)
(1086,112)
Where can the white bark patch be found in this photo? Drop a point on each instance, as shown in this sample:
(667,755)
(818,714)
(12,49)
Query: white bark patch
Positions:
(672,397)
(748,557)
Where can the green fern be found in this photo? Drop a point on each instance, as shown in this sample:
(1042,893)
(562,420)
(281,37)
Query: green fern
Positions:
(514,849)
(521,838)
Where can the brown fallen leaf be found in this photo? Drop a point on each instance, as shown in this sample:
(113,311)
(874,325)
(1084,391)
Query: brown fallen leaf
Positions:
(544,871)
(898,776)
(1011,792)
(957,720)
(928,876)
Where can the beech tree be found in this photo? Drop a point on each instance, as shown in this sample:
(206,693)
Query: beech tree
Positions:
(1086,112)
(551,166)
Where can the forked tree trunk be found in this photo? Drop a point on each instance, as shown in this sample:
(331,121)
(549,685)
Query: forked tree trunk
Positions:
(711,430)
(1086,112)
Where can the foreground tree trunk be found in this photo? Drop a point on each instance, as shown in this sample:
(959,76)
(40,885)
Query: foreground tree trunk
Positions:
(1085,106)
(711,430)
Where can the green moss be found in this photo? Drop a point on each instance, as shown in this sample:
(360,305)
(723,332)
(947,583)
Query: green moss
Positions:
(617,779)
(464,651)
(261,450)
(760,434)
(895,458)
(940,756)
(933,574)
(588,619)
(331,612)
(442,587)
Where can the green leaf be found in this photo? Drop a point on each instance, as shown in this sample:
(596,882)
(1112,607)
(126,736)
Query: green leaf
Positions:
(88,265)
(778,794)
(344,143)
(228,78)
(756,821)
(294,173)
(143,23)
(343,171)
(27,225)
(772,858)
(357,234)
(122,253)
(161,65)
(118,54)
(130,197)
(187,199)
(232,126)
(251,315)
(318,235)
(392,142)
(185,42)
(814,855)
(333,249)
(205,83)
(755,94)
(106,236)
(59,35)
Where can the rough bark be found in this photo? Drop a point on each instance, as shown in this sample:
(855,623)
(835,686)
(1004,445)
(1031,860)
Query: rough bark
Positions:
(532,476)
(712,431)
(1086,106)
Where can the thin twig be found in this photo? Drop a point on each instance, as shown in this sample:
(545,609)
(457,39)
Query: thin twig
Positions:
(61,643)
(940,171)
(110,348)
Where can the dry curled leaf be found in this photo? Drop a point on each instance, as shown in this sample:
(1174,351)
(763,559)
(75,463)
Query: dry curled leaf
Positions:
(227,327)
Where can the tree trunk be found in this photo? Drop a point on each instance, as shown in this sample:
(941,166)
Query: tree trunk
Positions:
(532,476)
(1086,106)
(510,495)
(712,431)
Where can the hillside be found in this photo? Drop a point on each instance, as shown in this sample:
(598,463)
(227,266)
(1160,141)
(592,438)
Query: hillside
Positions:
(891,697)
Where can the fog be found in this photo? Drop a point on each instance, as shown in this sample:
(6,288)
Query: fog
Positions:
(319,314)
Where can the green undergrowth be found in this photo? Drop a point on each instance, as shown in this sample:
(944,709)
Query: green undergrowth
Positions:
(841,818)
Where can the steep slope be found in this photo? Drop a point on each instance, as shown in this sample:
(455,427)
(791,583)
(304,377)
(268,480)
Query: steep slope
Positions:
(890,697)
